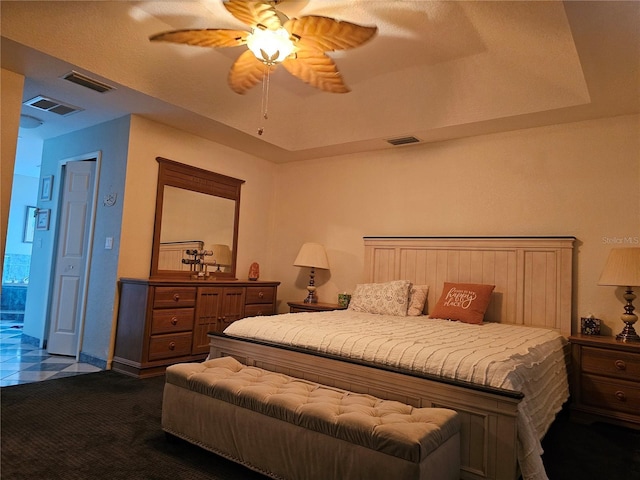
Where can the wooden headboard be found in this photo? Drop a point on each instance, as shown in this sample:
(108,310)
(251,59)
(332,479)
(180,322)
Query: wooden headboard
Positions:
(171,254)
(532,275)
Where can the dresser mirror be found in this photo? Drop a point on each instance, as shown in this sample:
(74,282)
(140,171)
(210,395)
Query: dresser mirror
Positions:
(196,224)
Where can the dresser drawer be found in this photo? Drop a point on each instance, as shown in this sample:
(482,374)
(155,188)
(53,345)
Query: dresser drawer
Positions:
(612,363)
(168,346)
(168,297)
(260,295)
(169,320)
(259,309)
(610,394)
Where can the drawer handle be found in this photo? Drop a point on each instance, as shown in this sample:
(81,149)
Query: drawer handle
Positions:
(621,396)
(259,312)
(620,365)
(172,346)
(174,321)
(261,294)
(176,297)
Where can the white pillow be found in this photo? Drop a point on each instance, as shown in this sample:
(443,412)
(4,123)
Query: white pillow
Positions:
(390,298)
(417,300)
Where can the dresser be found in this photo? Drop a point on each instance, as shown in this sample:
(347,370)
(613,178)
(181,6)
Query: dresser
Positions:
(162,322)
(605,380)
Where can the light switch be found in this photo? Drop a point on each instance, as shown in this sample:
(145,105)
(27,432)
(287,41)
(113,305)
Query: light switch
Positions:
(108,243)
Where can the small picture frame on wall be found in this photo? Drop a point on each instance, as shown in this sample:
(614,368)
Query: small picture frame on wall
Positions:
(42,219)
(29,224)
(46,187)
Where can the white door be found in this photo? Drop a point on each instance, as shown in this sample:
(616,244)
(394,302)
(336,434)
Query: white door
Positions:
(73,244)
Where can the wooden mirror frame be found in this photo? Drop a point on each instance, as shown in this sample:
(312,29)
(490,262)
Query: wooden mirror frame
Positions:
(171,173)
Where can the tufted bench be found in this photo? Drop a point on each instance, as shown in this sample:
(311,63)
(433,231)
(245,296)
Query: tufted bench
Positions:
(288,428)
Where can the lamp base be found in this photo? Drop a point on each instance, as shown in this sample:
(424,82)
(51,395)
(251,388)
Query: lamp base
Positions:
(311,298)
(628,334)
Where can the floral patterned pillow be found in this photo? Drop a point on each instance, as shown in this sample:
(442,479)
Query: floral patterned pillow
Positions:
(417,299)
(390,298)
(466,302)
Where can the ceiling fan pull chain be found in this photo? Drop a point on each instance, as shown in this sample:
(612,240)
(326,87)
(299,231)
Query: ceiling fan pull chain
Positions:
(266,100)
(265,97)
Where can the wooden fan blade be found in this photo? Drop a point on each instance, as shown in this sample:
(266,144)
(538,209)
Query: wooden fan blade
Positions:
(246,72)
(316,69)
(210,37)
(254,13)
(327,34)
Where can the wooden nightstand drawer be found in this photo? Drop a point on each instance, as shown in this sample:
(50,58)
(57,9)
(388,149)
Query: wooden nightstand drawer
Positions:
(167,346)
(610,394)
(259,309)
(172,320)
(605,381)
(260,295)
(168,297)
(611,363)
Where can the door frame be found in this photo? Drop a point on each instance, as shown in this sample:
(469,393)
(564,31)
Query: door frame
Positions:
(91,156)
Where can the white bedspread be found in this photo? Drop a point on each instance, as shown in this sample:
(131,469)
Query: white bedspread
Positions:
(524,359)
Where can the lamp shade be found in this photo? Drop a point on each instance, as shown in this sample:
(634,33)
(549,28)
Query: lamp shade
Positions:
(221,254)
(622,268)
(312,255)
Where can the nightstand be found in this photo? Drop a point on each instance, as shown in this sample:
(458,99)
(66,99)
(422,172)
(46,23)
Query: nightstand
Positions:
(295,307)
(605,380)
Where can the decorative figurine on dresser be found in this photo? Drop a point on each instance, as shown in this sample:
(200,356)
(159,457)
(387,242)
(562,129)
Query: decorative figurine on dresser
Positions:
(254,272)
(165,319)
(606,369)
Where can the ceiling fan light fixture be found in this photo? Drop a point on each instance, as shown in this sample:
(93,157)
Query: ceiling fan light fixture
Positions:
(270,46)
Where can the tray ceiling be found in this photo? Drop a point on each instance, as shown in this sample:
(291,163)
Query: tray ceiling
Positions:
(436,70)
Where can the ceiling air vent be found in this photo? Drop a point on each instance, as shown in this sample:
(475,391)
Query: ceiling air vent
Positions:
(83,80)
(46,104)
(403,140)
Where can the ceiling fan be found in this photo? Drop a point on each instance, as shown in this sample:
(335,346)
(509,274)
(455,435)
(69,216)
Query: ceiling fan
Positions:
(299,44)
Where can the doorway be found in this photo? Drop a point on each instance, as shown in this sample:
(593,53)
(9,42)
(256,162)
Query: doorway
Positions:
(74,233)
(20,229)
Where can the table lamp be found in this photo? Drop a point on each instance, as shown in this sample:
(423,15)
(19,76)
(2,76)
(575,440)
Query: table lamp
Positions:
(312,255)
(623,270)
(221,255)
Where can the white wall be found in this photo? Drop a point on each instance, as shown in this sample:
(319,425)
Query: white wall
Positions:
(110,140)
(580,179)
(24,193)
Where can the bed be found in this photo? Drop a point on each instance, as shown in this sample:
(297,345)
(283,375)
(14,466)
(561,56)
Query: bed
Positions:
(504,415)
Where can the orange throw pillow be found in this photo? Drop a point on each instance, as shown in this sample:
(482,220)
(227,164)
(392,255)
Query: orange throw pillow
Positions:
(465,302)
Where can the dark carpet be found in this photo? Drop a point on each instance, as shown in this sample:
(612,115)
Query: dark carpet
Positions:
(107,426)
(97,426)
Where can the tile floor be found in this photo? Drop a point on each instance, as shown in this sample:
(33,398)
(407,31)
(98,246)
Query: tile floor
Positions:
(24,363)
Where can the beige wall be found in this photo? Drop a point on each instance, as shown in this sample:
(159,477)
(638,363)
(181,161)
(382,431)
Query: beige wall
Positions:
(11,100)
(149,140)
(580,179)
